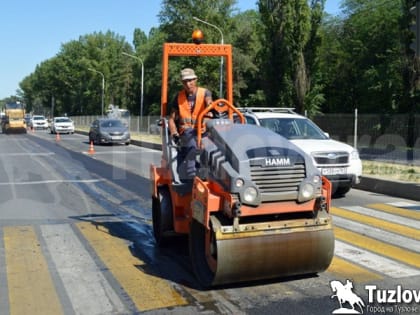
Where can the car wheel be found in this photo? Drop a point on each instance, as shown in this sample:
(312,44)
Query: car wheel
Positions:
(97,140)
(341,191)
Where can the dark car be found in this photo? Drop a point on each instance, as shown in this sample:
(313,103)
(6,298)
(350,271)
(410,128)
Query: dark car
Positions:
(109,130)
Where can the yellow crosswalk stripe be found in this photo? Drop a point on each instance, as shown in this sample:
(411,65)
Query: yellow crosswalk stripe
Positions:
(31,289)
(378,247)
(146,290)
(378,223)
(348,270)
(395,210)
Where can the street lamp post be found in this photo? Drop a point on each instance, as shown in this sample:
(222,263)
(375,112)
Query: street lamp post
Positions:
(221,58)
(103,89)
(142,82)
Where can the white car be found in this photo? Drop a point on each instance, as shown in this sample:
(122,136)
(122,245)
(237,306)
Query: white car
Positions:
(62,125)
(38,122)
(337,161)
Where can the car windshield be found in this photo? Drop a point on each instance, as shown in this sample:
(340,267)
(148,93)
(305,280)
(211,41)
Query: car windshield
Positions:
(60,120)
(14,106)
(292,128)
(111,123)
(39,118)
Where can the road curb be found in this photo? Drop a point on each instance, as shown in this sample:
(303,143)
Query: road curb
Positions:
(392,188)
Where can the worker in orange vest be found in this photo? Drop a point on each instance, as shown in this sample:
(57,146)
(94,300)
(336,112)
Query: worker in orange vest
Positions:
(182,122)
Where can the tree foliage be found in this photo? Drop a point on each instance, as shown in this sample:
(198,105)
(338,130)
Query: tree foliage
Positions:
(286,53)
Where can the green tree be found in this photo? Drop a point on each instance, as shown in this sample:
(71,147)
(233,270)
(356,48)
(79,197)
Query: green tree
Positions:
(362,64)
(289,57)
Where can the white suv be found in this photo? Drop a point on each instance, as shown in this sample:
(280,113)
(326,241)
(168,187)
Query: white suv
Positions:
(38,122)
(337,161)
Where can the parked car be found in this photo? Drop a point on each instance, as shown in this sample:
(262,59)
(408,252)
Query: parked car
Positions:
(337,161)
(155,128)
(109,130)
(62,125)
(38,122)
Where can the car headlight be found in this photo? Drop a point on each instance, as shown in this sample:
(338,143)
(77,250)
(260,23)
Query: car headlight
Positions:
(354,155)
(250,194)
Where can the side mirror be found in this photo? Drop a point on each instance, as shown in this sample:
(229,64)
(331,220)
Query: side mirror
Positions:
(327,134)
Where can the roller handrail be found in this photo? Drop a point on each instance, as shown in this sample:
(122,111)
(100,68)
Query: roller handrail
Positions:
(220,105)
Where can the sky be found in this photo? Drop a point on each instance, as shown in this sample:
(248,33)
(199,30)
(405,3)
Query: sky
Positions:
(33,31)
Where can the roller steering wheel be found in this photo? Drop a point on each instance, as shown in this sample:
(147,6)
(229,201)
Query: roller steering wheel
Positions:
(220,106)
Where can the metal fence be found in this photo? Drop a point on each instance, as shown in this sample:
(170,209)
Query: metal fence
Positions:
(148,124)
(377,137)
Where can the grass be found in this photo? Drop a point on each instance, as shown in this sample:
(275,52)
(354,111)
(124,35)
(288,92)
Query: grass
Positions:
(407,173)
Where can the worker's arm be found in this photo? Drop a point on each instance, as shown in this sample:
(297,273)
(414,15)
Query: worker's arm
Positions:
(208,100)
(173,130)
(171,123)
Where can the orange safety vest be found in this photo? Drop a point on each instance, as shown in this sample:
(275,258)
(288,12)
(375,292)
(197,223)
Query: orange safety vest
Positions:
(188,119)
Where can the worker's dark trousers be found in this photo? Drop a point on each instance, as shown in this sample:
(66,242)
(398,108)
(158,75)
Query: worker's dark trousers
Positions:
(187,155)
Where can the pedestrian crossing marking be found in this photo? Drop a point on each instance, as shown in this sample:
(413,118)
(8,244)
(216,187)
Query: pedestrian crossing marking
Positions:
(31,289)
(385,225)
(145,290)
(396,210)
(384,216)
(365,251)
(376,262)
(379,234)
(352,271)
(378,247)
(84,282)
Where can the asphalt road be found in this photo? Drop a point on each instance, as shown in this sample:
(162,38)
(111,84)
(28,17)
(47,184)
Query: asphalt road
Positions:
(76,238)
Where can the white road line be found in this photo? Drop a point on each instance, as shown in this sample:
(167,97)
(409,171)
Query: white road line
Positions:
(374,232)
(372,261)
(111,152)
(384,216)
(52,181)
(403,204)
(28,154)
(88,290)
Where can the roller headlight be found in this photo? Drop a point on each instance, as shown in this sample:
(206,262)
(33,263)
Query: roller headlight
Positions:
(239,182)
(250,195)
(307,191)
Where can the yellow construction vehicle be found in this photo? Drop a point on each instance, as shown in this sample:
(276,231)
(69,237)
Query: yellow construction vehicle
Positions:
(258,207)
(13,118)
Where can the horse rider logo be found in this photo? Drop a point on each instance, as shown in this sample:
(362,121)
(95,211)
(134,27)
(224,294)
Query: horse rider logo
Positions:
(344,293)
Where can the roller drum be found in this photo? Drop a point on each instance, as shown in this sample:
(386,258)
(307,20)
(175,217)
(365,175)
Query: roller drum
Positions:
(307,247)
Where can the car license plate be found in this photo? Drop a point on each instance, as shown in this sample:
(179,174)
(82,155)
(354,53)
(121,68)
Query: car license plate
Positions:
(116,137)
(334,171)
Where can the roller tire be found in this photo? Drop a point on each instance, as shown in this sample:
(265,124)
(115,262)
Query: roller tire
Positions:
(162,216)
(197,246)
